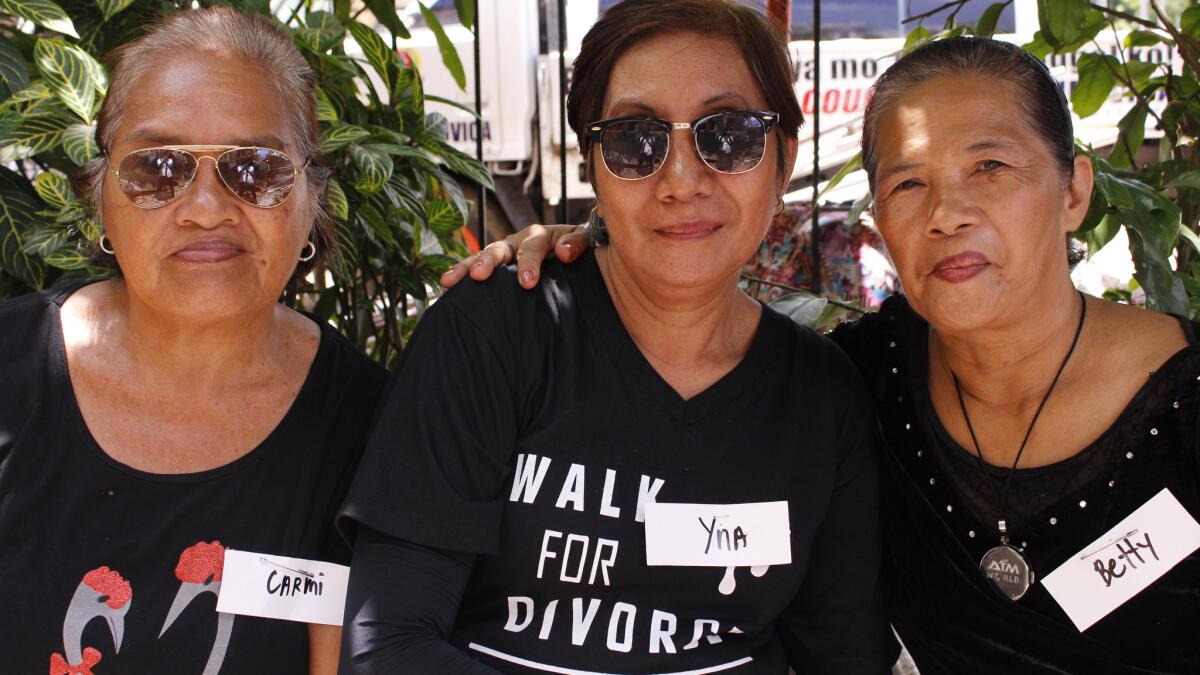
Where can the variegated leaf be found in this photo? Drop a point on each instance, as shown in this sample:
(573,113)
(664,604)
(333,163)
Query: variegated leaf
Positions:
(336,138)
(79,142)
(18,209)
(35,134)
(38,91)
(53,188)
(441,217)
(112,7)
(67,257)
(41,241)
(41,12)
(325,110)
(69,73)
(339,206)
(374,168)
(13,68)
(377,52)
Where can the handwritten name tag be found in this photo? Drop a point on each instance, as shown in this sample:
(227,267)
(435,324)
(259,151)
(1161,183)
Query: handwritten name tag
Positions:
(718,535)
(1127,559)
(275,587)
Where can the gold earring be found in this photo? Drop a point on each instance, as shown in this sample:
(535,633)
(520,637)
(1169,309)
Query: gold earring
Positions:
(781,208)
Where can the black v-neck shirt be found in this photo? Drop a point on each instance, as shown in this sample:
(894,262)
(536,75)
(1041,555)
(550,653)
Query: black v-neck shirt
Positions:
(547,386)
(108,569)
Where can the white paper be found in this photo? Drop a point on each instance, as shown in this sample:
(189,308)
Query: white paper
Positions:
(1128,558)
(718,535)
(277,587)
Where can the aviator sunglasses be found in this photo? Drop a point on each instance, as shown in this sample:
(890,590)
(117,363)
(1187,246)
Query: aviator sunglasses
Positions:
(730,141)
(154,177)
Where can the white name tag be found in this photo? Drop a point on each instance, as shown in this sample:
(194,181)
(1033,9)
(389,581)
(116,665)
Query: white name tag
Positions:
(275,587)
(718,535)
(1127,559)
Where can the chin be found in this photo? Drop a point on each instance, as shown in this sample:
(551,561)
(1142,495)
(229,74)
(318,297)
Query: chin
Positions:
(959,310)
(213,294)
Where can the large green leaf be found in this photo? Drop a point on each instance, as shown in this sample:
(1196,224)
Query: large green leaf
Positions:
(45,239)
(1061,21)
(802,308)
(378,54)
(53,189)
(466,12)
(68,71)
(1132,131)
(35,135)
(79,142)
(113,7)
(853,165)
(1187,179)
(13,69)
(374,168)
(1189,21)
(67,257)
(18,213)
(986,25)
(1096,82)
(38,91)
(445,46)
(42,12)
(385,11)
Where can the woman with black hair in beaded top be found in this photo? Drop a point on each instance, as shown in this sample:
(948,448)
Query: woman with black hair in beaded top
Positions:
(1038,439)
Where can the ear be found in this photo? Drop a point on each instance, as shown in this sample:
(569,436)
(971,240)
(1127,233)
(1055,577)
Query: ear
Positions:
(1078,195)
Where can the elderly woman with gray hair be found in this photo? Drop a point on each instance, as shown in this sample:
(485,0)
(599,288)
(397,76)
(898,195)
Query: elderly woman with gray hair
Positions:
(1041,479)
(150,422)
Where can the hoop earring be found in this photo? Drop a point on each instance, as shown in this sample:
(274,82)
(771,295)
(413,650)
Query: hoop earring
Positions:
(597,230)
(106,245)
(781,208)
(312,251)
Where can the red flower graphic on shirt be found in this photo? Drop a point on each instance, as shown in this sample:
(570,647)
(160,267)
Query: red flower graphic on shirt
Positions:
(102,594)
(201,563)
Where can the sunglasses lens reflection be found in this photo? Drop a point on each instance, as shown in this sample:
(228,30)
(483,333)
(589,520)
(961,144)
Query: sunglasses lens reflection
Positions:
(155,177)
(731,142)
(634,148)
(258,176)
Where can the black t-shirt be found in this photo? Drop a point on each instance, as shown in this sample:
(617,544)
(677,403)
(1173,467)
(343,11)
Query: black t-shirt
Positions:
(939,520)
(108,569)
(547,386)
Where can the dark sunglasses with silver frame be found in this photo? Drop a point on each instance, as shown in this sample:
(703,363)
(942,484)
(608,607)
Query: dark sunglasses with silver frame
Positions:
(728,141)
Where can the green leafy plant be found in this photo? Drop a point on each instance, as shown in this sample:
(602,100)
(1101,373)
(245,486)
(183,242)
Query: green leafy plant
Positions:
(1156,200)
(396,188)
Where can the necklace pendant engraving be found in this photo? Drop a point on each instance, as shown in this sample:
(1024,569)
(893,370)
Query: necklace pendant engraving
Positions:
(1008,571)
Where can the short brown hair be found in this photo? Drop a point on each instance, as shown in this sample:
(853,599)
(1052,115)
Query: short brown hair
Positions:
(251,38)
(764,49)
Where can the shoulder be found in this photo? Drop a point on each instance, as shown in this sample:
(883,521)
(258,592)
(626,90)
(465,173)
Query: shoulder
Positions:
(1137,336)
(24,324)
(868,339)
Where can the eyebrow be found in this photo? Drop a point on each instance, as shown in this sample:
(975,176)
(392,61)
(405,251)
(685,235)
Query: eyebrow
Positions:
(991,144)
(633,104)
(164,138)
(893,170)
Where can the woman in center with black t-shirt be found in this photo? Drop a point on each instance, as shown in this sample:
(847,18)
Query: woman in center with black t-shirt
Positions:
(635,468)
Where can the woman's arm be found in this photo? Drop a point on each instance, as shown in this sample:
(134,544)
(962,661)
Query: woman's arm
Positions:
(529,246)
(401,606)
(836,622)
(323,649)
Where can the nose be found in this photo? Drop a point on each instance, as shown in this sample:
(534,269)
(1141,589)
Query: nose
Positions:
(684,175)
(951,211)
(207,203)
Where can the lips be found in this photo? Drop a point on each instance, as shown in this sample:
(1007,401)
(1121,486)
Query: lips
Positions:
(689,231)
(961,267)
(209,251)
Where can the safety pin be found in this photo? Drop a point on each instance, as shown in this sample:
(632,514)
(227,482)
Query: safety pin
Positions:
(264,561)
(1123,536)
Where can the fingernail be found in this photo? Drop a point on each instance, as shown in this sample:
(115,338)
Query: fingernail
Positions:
(477,263)
(527,277)
(569,246)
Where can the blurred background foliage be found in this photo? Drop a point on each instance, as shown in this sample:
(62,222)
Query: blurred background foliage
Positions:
(396,190)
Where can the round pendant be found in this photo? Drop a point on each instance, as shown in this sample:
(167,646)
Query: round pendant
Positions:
(1008,571)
